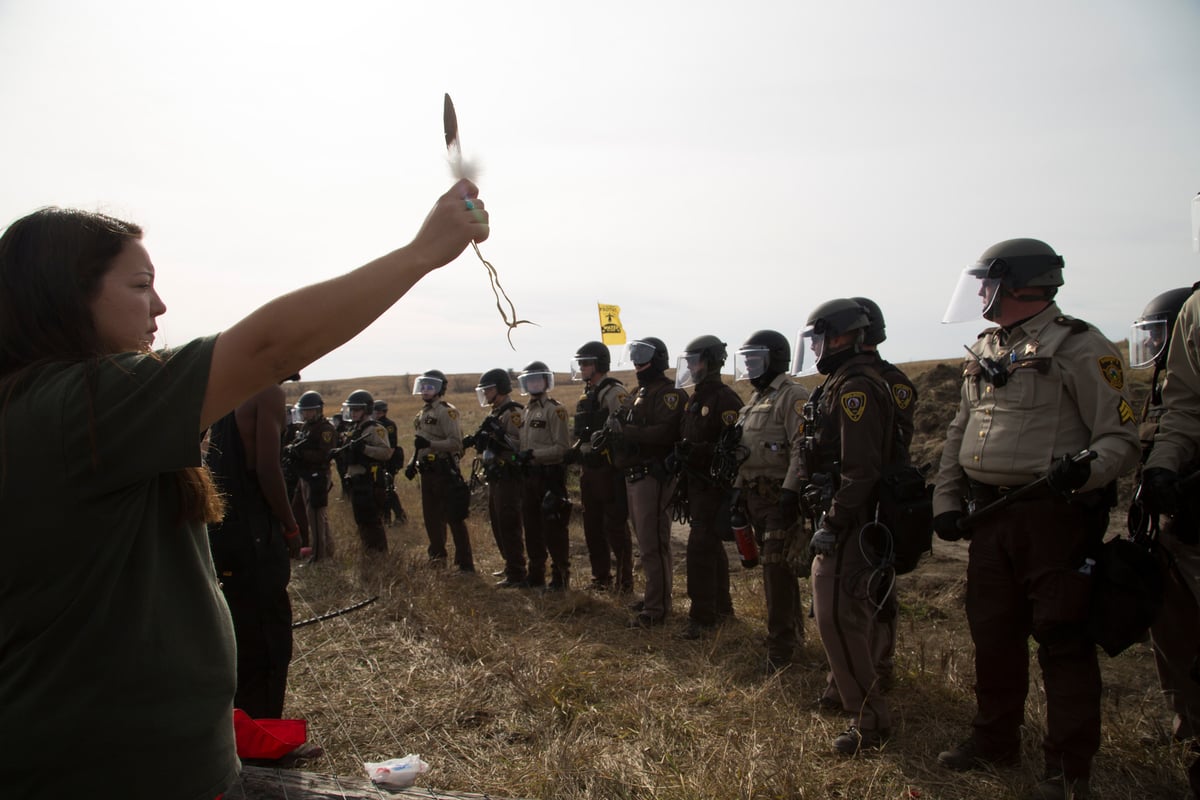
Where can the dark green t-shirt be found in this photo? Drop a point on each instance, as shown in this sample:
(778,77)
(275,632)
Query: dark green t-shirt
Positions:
(115,640)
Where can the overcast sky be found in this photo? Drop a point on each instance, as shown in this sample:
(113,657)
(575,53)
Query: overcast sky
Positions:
(709,167)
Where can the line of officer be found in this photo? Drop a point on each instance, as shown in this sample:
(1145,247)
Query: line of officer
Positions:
(1038,389)
(437,447)
(601,485)
(545,508)
(367,452)
(852,419)
(393,509)
(768,481)
(1172,417)
(497,441)
(642,434)
(708,417)
(310,454)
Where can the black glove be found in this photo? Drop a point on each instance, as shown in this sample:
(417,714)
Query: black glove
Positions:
(420,442)
(1160,490)
(572,456)
(410,471)
(525,457)
(468,442)
(599,440)
(824,542)
(1065,475)
(945,525)
(789,507)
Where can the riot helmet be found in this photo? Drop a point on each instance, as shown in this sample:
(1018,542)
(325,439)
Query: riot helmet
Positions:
(381,408)
(764,353)
(359,400)
(1004,269)
(590,352)
(649,350)
(703,356)
(493,378)
(1150,335)
(310,401)
(535,379)
(830,320)
(877,330)
(430,384)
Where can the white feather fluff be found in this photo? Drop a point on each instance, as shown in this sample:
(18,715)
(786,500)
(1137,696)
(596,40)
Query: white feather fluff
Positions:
(460,167)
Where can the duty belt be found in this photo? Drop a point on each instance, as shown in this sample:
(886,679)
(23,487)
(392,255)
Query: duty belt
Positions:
(985,493)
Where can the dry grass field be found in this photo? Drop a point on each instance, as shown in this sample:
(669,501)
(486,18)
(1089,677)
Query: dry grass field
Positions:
(520,694)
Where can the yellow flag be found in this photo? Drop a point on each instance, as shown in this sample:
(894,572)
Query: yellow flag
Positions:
(611,330)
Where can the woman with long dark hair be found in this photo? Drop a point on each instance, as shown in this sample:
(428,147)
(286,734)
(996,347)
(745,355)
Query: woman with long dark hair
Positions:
(114,636)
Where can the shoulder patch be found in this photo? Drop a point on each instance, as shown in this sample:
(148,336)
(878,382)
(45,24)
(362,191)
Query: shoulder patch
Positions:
(452,413)
(1110,368)
(854,404)
(902,394)
(729,418)
(517,418)
(1125,412)
(799,408)
(622,397)
(561,413)
(671,400)
(327,436)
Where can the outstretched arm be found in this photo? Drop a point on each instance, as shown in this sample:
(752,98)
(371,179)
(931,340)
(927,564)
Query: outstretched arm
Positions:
(294,330)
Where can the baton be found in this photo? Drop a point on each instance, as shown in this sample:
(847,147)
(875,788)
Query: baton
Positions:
(332,614)
(1017,494)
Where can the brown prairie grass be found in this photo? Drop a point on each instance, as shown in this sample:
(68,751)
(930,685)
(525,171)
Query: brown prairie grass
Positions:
(524,694)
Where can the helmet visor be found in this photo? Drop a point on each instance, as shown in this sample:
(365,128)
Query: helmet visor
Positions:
(535,382)
(426,384)
(689,369)
(481,393)
(577,365)
(348,412)
(750,363)
(807,341)
(974,297)
(639,353)
(1148,339)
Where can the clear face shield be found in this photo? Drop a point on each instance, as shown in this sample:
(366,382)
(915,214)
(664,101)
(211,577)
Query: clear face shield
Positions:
(427,387)
(639,353)
(975,296)
(535,382)
(690,369)
(577,367)
(750,363)
(1148,339)
(348,412)
(481,393)
(807,341)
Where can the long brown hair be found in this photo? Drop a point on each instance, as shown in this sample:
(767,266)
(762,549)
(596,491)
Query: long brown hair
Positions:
(51,264)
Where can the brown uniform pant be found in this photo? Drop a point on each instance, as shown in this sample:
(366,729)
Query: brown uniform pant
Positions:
(707,561)
(1023,579)
(649,504)
(316,508)
(606,526)
(545,536)
(785,627)
(436,482)
(1176,634)
(845,615)
(504,512)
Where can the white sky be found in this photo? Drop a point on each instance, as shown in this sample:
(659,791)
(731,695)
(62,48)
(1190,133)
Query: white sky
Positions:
(709,167)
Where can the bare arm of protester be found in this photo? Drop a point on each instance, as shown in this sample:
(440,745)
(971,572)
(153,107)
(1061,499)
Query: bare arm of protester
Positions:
(294,330)
(261,419)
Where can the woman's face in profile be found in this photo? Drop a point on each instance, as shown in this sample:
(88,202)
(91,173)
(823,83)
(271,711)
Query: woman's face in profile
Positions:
(125,308)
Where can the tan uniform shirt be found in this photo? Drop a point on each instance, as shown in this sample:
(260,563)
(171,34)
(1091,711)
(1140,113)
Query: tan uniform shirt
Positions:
(1178,438)
(772,423)
(1065,393)
(544,430)
(511,420)
(438,422)
(376,447)
(611,396)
